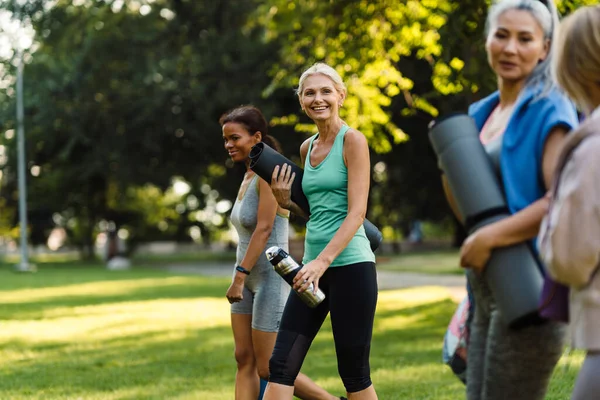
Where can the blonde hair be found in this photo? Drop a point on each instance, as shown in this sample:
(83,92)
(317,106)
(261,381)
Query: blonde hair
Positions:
(323,69)
(577,62)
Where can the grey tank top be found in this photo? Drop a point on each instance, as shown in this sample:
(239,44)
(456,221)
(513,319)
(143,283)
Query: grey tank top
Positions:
(493,149)
(244,218)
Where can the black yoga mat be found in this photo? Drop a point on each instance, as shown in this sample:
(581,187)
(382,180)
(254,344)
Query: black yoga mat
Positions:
(513,273)
(263,160)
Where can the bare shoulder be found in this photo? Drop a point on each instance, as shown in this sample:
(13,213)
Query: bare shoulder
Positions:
(304,149)
(356,148)
(355,138)
(263,186)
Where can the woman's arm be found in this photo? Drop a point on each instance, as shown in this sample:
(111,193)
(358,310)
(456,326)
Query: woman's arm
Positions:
(450,198)
(521,226)
(281,184)
(265,218)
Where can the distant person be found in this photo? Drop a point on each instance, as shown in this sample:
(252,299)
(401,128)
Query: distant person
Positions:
(522,126)
(416,232)
(116,257)
(337,256)
(257,293)
(570,236)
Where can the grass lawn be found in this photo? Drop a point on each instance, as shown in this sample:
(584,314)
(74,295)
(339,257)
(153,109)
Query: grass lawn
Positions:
(432,262)
(137,259)
(183,258)
(72,332)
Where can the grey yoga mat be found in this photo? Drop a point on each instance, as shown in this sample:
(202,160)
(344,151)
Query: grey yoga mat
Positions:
(513,273)
(263,160)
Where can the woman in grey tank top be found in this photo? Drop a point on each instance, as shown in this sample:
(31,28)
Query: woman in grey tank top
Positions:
(257,293)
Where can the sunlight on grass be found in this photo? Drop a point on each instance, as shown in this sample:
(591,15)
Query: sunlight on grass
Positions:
(42,258)
(439,262)
(148,335)
(106,288)
(90,323)
(391,299)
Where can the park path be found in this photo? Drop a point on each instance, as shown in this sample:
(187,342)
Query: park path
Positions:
(387,280)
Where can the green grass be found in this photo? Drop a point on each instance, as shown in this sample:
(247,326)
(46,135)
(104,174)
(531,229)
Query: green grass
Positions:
(137,259)
(46,258)
(434,262)
(183,258)
(72,332)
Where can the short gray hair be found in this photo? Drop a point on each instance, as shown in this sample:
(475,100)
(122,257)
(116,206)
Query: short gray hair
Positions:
(546,14)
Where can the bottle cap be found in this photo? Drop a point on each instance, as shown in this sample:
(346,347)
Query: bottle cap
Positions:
(275,254)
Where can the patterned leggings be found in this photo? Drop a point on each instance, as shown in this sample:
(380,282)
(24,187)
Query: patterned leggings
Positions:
(505,364)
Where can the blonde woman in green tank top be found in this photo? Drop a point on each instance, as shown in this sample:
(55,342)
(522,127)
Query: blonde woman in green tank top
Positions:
(337,258)
(257,293)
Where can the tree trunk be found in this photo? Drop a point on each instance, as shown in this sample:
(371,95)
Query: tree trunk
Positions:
(88,237)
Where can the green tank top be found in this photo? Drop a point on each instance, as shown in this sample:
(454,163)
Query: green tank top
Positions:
(326,188)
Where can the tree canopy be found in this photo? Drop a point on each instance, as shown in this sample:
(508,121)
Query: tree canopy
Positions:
(123,97)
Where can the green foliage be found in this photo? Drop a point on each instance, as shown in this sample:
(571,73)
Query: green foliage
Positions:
(116,99)
(365,41)
(123,96)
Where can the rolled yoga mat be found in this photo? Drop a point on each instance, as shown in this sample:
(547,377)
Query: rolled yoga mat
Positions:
(263,160)
(513,273)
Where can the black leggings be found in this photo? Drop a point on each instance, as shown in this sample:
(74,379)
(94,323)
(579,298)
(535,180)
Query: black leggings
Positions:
(351,296)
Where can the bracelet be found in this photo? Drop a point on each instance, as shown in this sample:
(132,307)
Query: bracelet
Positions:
(241,269)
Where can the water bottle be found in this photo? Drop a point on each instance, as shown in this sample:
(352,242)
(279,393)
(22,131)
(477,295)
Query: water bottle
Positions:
(287,268)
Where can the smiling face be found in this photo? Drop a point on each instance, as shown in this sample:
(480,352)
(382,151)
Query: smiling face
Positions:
(238,141)
(319,98)
(515,45)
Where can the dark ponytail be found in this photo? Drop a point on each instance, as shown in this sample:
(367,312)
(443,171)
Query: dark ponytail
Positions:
(272,142)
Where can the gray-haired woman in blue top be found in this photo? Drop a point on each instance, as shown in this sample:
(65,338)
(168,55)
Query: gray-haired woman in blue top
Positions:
(522,126)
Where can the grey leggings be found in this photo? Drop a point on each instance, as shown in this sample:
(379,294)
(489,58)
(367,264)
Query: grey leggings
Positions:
(505,364)
(587,386)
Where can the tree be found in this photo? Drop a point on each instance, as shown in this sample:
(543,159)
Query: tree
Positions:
(121,97)
(405,64)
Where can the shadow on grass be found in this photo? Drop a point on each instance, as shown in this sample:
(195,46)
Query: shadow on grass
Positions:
(156,365)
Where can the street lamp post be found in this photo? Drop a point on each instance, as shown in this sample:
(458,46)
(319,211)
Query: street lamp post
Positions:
(23,265)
